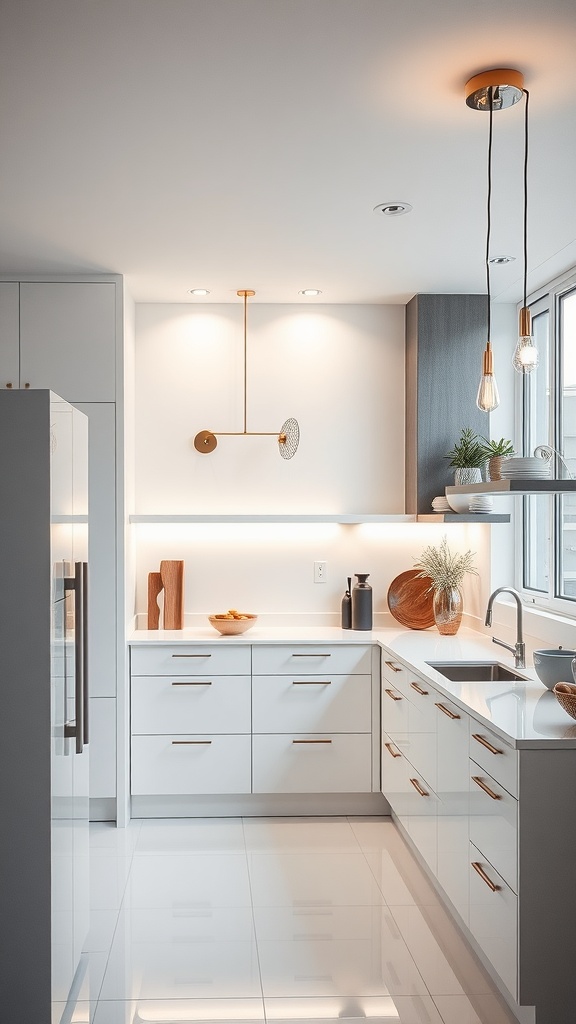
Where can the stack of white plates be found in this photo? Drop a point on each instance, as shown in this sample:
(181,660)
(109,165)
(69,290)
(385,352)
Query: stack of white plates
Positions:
(480,503)
(440,504)
(527,469)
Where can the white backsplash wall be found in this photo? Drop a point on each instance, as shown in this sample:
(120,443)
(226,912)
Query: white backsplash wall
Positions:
(268,568)
(338,369)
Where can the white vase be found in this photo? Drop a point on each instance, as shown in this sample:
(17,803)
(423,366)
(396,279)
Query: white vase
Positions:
(468,475)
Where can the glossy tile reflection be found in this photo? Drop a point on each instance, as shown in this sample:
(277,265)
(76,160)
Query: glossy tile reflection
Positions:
(293,920)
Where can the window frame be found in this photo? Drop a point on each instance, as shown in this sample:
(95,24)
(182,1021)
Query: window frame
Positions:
(546,299)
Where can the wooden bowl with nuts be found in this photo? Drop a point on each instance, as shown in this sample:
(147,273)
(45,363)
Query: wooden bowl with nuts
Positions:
(232,622)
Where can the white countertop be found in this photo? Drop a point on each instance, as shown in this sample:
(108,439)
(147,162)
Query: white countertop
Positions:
(524,714)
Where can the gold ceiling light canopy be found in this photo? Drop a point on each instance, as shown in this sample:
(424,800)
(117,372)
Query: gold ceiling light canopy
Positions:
(288,436)
(501,87)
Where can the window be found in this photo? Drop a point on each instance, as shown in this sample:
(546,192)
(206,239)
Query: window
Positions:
(548,571)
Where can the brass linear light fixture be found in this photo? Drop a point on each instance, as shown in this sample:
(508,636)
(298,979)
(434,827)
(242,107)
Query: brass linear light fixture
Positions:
(288,436)
(491,91)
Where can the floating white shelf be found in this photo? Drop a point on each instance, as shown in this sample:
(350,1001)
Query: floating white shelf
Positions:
(464,517)
(280,518)
(515,487)
(69,519)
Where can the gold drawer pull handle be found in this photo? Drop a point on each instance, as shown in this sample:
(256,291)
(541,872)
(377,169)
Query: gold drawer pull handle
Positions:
(196,682)
(390,664)
(392,695)
(480,739)
(311,741)
(486,788)
(415,686)
(326,655)
(391,751)
(191,743)
(311,682)
(447,711)
(480,871)
(191,655)
(418,788)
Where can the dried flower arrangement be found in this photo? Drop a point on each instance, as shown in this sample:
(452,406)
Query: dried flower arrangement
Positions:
(445,569)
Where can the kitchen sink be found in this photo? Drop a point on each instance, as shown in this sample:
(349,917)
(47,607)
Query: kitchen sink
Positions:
(475,671)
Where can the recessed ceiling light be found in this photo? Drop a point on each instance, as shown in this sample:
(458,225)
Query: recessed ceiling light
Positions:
(310,292)
(199,291)
(395,209)
(499,261)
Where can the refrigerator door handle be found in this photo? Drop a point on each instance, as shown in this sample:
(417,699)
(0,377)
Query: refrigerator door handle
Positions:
(85,681)
(75,730)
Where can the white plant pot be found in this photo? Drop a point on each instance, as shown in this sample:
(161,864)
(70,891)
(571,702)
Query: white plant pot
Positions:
(468,475)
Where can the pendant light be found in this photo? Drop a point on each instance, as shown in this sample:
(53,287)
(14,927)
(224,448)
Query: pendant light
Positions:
(525,357)
(488,398)
(491,90)
(288,436)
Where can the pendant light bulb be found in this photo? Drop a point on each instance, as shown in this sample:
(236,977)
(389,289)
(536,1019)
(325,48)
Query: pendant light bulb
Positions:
(487,398)
(525,357)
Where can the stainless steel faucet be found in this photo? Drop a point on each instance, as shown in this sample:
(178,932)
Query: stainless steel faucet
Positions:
(519,648)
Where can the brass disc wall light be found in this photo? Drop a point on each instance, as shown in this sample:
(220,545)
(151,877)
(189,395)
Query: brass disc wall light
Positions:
(288,437)
(491,91)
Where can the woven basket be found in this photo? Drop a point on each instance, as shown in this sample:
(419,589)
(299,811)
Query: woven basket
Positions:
(566,696)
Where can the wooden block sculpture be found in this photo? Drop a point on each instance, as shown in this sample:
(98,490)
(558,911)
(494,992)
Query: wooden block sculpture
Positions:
(170,579)
(154,589)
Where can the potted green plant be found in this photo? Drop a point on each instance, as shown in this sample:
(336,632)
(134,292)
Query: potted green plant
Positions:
(494,453)
(467,457)
(446,571)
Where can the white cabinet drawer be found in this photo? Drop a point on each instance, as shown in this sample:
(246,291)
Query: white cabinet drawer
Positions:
(393,672)
(324,703)
(191,660)
(220,704)
(311,658)
(395,776)
(494,918)
(312,764)
(494,756)
(169,765)
(394,708)
(494,824)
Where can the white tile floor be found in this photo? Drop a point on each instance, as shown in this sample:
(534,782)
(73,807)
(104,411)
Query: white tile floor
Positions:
(280,919)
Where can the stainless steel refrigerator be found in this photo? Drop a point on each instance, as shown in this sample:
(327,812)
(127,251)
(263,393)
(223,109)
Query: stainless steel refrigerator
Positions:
(44,869)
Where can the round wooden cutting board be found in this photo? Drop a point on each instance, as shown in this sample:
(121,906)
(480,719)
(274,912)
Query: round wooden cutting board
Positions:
(409,601)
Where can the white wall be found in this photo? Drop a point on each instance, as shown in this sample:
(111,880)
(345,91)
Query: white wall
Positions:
(340,371)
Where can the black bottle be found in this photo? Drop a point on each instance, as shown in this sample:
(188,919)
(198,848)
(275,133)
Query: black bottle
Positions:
(347,607)
(362,602)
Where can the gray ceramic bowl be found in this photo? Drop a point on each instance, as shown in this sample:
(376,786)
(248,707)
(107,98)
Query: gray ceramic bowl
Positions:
(554,666)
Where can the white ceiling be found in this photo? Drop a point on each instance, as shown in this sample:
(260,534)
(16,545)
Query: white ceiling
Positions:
(244,143)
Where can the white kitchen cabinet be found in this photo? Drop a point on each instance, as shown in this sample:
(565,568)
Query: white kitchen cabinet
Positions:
(494,824)
(191,720)
(213,704)
(308,763)
(324,703)
(64,335)
(102,720)
(190,764)
(453,867)
(312,719)
(68,339)
(9,334)
(190,659)
(276,659)
(496,757)
(493,918)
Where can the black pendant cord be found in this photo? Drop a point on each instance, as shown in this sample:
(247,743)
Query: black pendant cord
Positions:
(489,204)
(527,95)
